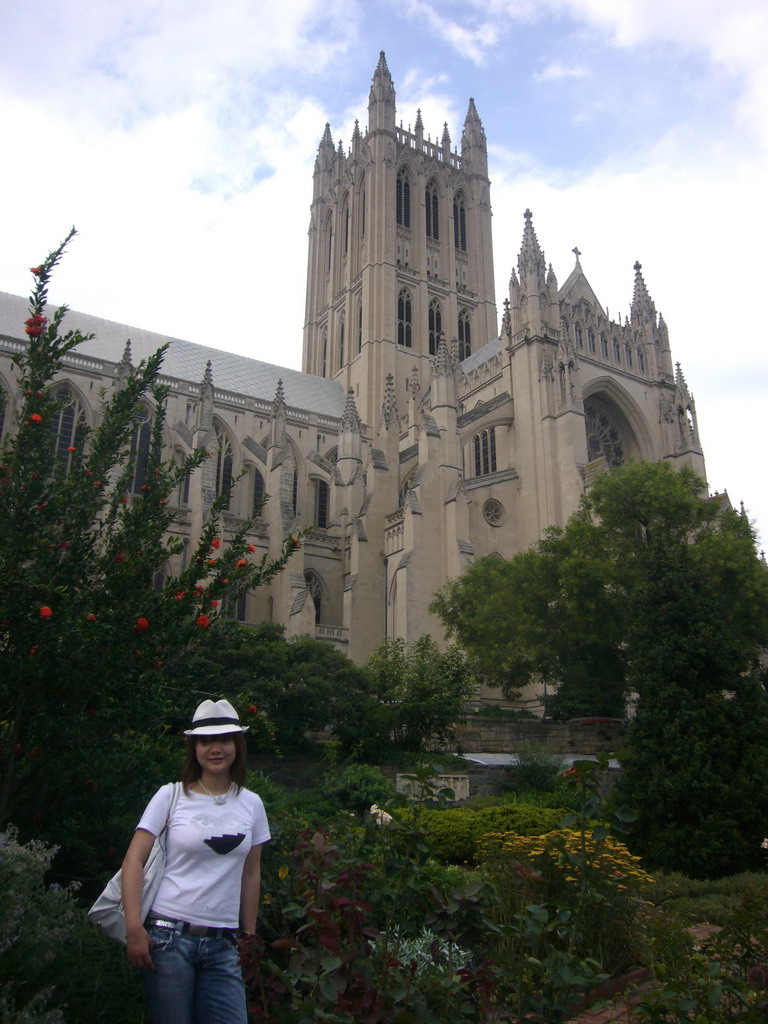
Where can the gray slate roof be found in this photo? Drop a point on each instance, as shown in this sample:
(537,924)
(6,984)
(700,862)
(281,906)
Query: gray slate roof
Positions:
(482,355)
(186,361)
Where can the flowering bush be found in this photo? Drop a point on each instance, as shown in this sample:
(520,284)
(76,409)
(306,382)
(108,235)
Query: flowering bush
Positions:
(93,623)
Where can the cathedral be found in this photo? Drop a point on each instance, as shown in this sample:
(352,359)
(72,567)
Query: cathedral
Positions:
(421,433)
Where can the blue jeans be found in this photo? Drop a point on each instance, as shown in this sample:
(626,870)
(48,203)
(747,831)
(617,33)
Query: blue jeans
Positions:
(196,979)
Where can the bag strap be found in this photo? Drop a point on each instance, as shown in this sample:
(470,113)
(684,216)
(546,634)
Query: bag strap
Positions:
(173,800)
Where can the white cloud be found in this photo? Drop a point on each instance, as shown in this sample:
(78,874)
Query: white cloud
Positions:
(557,70)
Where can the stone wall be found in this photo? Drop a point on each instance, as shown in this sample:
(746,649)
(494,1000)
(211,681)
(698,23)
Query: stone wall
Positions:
(508,736)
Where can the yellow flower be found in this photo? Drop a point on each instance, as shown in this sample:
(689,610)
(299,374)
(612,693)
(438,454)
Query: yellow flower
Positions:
(282,872)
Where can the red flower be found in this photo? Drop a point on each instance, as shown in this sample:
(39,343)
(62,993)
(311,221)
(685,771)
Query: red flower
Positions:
(225,582)
(33,650)
(252,548)
(90,617)
(240,563)
(211,561)
(215,603)
(35,324)
(71,448)
(180,594)
(142,624)
(120,556)
(216,543)
(252,709)
(45,612)
(35,270)
(202,621)
(35,418)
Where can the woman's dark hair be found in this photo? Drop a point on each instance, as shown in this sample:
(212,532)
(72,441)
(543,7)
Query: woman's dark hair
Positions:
(192,770)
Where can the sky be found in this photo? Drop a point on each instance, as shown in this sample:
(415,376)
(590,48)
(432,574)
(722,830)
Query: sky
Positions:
(179,137)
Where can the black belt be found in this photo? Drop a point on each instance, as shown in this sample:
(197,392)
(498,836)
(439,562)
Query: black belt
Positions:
(201,930)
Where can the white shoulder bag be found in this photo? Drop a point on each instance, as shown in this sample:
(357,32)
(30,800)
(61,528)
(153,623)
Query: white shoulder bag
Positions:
(107,912)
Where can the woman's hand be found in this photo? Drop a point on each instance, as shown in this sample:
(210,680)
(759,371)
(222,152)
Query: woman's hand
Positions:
(138,947)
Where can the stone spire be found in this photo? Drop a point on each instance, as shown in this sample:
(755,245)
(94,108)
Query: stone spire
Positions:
(474,148)
(531,264)
(357,139)
(277,432)
(445,142)
(350,421)
(381,99)
(206,398)
(125,366)
(642,304)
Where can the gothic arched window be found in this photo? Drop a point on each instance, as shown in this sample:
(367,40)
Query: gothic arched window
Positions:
(140,446)
(329,242)
(465,340)
(432,207)
(435,326)
(604,346)
(224,463)
(403,199)
(345,225)
(640,361)
(258,492)
(591,342)
(362,213)
(459,223)
(322,503)
(404,318)
(603,439)
(484,450)
(616,351)
(325,354)
(182,489)
(68,426)
(628,356)
(579,337)
(341,340)
(359,325)
(315,588)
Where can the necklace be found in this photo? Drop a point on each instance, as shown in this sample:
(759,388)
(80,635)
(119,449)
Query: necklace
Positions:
(218,798)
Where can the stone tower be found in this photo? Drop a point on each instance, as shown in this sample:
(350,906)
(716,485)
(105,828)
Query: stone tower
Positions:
(400,252)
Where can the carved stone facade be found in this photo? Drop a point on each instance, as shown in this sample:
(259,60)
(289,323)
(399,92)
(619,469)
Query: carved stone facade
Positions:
(418,437)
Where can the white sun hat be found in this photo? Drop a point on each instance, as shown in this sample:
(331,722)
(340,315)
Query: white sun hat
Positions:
(212,718)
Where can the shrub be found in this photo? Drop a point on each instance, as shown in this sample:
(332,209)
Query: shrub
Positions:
(357,787)
(453,835)
(35,921)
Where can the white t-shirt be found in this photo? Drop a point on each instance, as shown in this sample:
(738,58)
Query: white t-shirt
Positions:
(206,847)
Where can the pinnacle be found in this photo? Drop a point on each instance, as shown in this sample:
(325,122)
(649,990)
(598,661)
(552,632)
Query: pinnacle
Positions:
(641,299)
(350,419)
(208,375)
(531,257)
(279,399)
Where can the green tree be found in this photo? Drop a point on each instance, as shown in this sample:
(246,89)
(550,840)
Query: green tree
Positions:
(547,616)
(91,620)
(663,588)
(294,687)
(423,690)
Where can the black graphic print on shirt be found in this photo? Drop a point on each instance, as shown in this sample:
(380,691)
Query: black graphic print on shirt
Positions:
(219,832)
(225,843)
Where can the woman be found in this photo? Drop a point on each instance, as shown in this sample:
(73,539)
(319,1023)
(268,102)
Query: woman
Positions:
(187,947)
